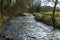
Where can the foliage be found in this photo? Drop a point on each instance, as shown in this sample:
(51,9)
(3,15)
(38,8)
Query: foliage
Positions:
(10,9)
(35,9)
(21,6)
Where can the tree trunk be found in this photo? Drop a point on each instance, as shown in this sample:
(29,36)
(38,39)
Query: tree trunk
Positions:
(53,16)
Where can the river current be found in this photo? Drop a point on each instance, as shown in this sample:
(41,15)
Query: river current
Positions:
(27,28)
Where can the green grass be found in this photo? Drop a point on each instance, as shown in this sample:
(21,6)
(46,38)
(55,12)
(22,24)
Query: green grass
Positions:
(50,13)
(38,15)
(47,15)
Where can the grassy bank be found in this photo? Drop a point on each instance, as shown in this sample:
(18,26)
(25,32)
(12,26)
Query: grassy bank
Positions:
(47,16)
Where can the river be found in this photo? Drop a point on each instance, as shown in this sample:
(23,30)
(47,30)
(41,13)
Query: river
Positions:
(27,28)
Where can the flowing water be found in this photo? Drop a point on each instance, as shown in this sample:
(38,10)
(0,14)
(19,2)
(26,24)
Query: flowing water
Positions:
(27,28)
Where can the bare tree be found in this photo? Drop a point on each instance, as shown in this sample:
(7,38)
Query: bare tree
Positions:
(53,16)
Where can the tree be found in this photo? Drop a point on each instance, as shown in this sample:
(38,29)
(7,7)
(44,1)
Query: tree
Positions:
(21,6)
(53,16)
(30,4)
(4,6)
(36,6)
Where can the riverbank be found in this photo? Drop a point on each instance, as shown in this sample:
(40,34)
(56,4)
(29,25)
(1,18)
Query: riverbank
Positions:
(46,18)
